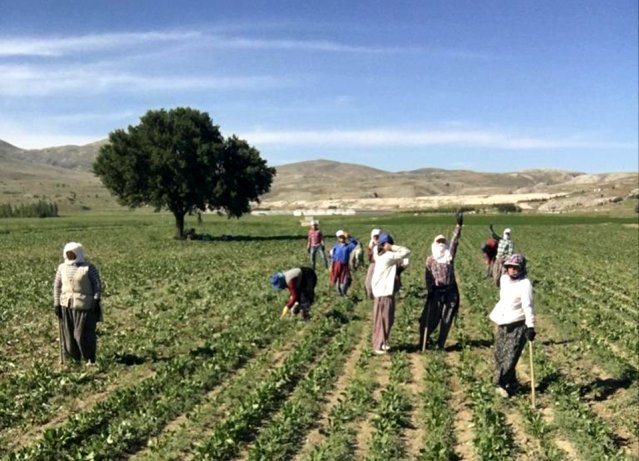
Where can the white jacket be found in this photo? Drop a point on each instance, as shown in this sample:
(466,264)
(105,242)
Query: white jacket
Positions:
(515,302)
(383,280)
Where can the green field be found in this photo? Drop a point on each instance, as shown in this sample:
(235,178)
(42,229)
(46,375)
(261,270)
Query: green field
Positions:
(194,363)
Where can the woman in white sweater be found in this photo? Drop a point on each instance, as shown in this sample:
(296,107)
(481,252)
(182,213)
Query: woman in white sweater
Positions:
(388,257)
(515,321)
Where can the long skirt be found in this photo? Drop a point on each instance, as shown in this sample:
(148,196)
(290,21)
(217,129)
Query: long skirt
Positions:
(341,277)
(509,344)
(383,319)
(440,309)
(368,282)
(307,290)
(79,338)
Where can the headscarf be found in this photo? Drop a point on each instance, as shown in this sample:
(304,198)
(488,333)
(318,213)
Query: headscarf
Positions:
(517,260)
(278,281)
(77,249)
(507,234)
(374,232)
(441,251)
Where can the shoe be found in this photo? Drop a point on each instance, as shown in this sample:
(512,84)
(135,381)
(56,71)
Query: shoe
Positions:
(386,347)
(379,351)
(502,392)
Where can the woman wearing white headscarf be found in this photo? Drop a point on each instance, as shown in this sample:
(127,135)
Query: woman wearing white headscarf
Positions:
(505,249)
(442,302)
(372,247)
(76,301)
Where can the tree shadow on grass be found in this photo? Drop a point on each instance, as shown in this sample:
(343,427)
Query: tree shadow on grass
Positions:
(134,359)
(246,238)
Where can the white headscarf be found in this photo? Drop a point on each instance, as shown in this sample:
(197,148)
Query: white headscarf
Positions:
(77,249)
(507,234)
(440,251)
(374,233)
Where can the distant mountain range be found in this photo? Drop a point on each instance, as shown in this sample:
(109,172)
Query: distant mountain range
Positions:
(321,183)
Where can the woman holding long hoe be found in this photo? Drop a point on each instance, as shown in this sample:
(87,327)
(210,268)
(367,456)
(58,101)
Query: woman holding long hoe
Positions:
(515,321)
(442,302)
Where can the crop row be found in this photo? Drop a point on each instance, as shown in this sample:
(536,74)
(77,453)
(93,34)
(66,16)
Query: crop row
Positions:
(340,432)
(437,414)
(129,415)
(282,437)
(225,438)
(574,417)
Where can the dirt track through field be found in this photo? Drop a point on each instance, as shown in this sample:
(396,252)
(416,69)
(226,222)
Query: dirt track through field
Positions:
(315,436)
(415,433)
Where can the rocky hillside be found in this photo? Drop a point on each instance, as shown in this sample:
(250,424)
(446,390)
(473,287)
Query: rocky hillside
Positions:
(63,174)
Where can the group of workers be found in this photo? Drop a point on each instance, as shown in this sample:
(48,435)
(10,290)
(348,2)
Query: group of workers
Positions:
(77,292)
(513,314)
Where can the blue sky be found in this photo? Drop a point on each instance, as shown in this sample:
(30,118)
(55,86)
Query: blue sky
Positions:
(490,85)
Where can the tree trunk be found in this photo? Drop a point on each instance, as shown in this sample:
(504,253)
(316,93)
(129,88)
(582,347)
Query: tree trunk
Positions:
(179,224)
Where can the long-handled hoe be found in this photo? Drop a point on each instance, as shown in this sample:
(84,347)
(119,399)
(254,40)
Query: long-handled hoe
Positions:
(532,375)
(60,342)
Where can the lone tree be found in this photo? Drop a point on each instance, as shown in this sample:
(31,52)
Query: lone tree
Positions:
(178,160)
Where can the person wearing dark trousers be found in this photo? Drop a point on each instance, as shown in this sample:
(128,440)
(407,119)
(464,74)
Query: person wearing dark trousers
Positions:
(315,244)
(76,301)
(515,319)
(300,282)
(442,301)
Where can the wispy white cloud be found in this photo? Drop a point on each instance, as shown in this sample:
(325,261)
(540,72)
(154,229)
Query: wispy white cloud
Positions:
(60,46)
(406,138)
(28,80)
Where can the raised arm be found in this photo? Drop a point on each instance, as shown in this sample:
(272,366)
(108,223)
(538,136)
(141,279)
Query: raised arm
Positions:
(493,233)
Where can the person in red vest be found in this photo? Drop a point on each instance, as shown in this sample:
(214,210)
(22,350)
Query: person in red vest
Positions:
(300,282)
(489,248)
(315,244)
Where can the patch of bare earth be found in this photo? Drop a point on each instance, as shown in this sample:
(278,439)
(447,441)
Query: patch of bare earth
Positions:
(462,422)
(548,415)
(315,436)
(415,434)
(381,367)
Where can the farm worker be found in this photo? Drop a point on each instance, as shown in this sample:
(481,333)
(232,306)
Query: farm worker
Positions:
(315,244)
(387,257)
(489,249)
(515,321)
(300,282)
(340,271)
(372,247)
(356,257)
(505,248)
(442,301)
(76,301)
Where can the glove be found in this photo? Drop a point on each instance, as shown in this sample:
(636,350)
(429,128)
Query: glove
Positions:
(460,218)
(58,311)
(530,334)
(98,310)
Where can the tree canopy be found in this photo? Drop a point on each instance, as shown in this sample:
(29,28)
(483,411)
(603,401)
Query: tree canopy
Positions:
(179,160)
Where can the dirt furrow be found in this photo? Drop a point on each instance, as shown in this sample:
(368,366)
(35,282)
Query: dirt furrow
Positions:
(380,366)
(315,436)
(415,434)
